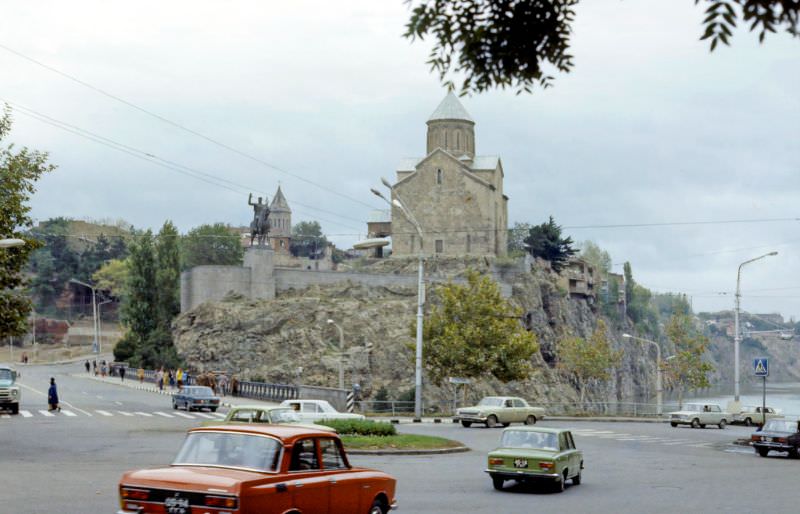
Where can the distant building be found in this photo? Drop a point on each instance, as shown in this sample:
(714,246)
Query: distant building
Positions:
(280,223)
(456,196)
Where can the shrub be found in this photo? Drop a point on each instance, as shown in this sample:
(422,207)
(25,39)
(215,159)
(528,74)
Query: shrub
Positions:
(359,427)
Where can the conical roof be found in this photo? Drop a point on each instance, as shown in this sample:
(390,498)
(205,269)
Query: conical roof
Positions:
(279,202)
(450,109)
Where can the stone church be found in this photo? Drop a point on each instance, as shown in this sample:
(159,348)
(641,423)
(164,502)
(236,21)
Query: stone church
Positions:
(456,196)
(280,223)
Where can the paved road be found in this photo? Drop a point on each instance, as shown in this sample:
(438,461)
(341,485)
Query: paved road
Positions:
(71,463)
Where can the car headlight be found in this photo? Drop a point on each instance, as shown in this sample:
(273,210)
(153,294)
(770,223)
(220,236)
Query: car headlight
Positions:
(14,392)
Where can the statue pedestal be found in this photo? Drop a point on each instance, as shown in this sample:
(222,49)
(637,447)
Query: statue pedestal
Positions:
(262,271)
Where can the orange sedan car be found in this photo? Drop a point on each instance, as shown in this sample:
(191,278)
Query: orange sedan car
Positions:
(262,469)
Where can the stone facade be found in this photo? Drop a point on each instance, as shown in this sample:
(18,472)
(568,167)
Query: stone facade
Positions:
(456,197)
(280,222)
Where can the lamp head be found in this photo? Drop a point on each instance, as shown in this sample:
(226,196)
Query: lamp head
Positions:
(627,336)
(386,182)
(772,253)
(376,192)
(397,204)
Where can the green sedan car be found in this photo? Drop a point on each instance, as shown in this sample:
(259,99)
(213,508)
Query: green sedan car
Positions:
(529,454)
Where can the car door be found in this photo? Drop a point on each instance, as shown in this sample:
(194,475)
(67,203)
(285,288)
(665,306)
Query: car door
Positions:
(309,485)
(520,410)
(345,486)
(575,455)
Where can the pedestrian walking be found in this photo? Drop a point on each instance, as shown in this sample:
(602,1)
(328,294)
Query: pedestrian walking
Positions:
(223,384)
(122,373)
(52,396)
(171,379)
(164,379)
(140,374)
(234,385)
(94,366)
(87,366)
(179,378)
(160,379)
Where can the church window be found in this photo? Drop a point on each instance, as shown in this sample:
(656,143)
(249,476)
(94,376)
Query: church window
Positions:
(469,243)
(439,246)
(438,176)
(458,140)
(412,243)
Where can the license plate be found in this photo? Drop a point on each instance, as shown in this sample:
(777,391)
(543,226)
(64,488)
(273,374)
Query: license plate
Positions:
(520,463)
(176,505)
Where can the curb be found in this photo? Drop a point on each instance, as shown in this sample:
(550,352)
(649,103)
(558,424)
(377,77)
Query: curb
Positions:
(410,421)
(438,451)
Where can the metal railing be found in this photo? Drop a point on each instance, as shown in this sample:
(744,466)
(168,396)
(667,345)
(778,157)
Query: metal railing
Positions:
(265,391)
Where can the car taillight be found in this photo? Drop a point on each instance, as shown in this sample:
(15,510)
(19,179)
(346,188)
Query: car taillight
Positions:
(225,502)
(781,439)
(493,461)
(546,465)
(755,437)
(129,493)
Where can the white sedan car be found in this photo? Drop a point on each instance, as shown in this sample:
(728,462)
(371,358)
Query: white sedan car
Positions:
(315,410)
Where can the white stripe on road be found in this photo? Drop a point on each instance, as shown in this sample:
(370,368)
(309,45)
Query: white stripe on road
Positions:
(181,414)
(103,412)
(145,414)
(676,442)
(125,413)
(68,413)
(26,413)
(218,414)
(164,414)
(45,413)
(5,416)
(204,415)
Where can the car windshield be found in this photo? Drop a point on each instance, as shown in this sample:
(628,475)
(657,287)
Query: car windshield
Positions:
(283,416)
(781,425)
(491,402)
(229,450)
(693,407)
(5,374)
(529,439)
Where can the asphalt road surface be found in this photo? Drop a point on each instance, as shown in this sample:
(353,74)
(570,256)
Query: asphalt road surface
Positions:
(71,461)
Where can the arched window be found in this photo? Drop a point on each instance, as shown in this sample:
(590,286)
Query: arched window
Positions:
(438,176)
(458,140)
(445,139)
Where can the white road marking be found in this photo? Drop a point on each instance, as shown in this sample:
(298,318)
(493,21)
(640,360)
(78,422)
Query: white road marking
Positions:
(103,412)
(164,414)
(77,409)
(125,413)
(45,413)
(204,415)
(218,414)
(118,403)
(5,416)
(183,415)
(677,442)
(68,413)
(145,414)
(26,413)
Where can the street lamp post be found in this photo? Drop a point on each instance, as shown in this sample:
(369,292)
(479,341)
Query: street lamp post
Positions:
(737,337)
(96,345)
(420,296)
(341,352)
(100,325)
(659,401)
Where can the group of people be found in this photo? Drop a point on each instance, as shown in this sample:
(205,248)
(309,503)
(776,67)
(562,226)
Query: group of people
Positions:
(219,383)
(167,378)
(92,367)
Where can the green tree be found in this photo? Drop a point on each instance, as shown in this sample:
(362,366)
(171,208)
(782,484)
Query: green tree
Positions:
(54,264)
(138,312)
(687,370)
(168,274)
(211,244)
(474,332)
(19,171)
(516,239)
(545,241)
(597,257)
(588,361)
(307,239)
(112,277)
(519,43)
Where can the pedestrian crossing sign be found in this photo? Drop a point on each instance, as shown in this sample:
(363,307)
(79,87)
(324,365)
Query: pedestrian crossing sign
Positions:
(761,367)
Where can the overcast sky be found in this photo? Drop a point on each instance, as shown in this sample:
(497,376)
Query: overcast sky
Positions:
(649,128)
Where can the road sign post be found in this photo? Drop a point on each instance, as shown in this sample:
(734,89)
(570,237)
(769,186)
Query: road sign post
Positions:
(761,369)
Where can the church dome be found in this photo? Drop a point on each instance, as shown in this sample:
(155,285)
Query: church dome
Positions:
(450,109)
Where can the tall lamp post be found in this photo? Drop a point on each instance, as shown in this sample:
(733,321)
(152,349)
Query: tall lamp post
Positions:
(659,390)
(420,295)
(100,325)
(737,337)
(341,352)
(96,345)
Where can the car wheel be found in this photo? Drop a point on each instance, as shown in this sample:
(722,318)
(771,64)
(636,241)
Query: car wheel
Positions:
(466,424)
(214,409)
(722,424)
(14,408)
(695,423)
(702,425)
(174,405)
(377,508)
(530,420)
(498,482)
(562,484)
(793,453)
(491,421)
(673,425)
(762,451)
(748,422)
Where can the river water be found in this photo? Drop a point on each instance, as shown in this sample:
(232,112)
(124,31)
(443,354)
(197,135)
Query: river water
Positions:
(784,396)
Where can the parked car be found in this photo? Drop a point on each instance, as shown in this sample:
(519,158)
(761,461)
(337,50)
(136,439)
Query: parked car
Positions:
(195,397)
(10,392)
(315,410)
(265,414)
(698,415)
(258,469)
(504,410)
(535,454)
(777,434)
(751,415)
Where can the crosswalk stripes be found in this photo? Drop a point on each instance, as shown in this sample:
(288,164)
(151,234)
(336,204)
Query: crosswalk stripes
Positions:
(5,416)
(641,439)
(26,413)
(103,413)
(46,413)
(74,413)
(129,414)
(183,415)
(204,415)
(145,414)
(163,414)
(68,413)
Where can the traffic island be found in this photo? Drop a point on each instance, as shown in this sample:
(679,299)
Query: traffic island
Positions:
(400,444)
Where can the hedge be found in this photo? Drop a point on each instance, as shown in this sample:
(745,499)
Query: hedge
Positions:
(359,427)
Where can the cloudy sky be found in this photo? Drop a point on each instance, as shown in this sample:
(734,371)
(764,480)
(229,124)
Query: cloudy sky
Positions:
(327,97)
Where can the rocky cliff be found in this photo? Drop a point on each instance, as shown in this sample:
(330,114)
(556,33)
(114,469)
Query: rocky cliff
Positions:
(288,339)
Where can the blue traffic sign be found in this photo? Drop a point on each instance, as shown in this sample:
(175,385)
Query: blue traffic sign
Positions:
(761,367)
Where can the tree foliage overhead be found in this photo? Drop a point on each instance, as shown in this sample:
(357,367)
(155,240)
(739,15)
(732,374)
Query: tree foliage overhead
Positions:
(211,245)
(545,241)
(19,171)
(516,239)
(474,332)
(519,43)
(590,360)
(599,259)
(687,370)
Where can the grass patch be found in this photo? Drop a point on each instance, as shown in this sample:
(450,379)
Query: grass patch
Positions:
(397,442)
(359,427)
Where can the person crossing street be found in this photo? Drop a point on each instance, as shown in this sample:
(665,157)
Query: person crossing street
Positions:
(52,396)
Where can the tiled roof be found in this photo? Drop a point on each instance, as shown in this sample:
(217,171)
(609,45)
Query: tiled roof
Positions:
(450,109)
